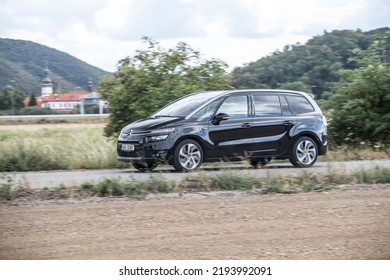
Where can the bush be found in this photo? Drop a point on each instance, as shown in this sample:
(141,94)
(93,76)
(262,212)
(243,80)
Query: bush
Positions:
(360,107)
(377,176)
(35,111)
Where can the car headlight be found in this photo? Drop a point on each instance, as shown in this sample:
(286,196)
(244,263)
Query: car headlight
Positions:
(162,134)
(157,138)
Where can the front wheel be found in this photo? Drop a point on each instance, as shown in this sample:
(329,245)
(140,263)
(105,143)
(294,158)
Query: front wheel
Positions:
(188,155)
(304,152)
(145,166)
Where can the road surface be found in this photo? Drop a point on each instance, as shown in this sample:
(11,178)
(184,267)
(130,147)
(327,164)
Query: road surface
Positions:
(76,177)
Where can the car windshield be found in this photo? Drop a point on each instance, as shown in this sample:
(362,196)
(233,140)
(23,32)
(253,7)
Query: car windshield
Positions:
(184,106)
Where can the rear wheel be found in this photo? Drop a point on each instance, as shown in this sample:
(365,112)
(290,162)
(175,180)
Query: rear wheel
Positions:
(188,155)
(304,152)
(145,166)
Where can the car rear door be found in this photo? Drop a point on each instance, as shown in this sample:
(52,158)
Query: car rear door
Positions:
(271,124)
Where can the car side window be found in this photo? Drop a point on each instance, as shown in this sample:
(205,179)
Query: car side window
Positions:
(267,105)
(235,106)
(299,105)
(206,112)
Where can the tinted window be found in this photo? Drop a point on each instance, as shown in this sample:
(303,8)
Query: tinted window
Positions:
(267,105)
(235,106)
(299,105)
(206,112)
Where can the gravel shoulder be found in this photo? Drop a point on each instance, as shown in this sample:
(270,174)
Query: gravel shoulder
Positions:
(346,223)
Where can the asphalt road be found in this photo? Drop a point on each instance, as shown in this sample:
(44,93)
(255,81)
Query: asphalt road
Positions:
(75,177)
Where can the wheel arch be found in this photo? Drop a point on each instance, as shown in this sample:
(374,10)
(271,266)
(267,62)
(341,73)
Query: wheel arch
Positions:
(185,137)
(311,135)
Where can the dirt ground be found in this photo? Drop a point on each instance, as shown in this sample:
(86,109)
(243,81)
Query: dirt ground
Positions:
(349,223)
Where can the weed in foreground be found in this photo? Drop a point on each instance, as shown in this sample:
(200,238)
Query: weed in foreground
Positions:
(303,182)
(378,175)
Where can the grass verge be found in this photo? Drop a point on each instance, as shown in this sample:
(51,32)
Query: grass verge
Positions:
(58,144)
(227,181)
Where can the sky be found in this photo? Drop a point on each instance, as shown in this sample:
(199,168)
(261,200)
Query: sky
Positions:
(102,32)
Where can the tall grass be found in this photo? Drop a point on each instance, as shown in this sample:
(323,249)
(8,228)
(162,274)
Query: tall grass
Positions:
(55,146)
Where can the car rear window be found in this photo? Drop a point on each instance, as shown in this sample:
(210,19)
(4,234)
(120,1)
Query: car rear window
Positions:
(299,105)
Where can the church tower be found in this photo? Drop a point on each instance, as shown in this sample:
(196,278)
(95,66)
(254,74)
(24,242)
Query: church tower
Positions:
(90,86)
(47,84)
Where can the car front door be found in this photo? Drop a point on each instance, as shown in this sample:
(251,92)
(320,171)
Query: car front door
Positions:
(230,128)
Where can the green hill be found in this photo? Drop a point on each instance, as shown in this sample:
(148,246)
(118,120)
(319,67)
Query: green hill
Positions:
(312,67)
(24,62)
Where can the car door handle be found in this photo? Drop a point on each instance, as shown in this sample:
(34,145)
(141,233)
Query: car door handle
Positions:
(287,122)
(246,124)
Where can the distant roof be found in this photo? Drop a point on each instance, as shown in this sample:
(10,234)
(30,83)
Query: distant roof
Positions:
(70,96)
(92,95)
(62,97)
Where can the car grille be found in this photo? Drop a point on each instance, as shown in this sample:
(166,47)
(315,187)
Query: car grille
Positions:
(131,154)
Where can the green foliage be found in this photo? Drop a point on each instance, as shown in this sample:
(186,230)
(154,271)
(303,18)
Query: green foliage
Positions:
(360,107)
(8,97)
(9,187)
(298,86)
(25,62)
(6,190)
(155,77)
(33,101)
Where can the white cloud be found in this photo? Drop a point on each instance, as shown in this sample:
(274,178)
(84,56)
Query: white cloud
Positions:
(101,32)
(113,16)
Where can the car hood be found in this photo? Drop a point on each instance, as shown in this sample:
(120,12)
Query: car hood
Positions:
(146,125)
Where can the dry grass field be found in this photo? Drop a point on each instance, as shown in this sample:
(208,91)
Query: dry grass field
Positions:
(27,147)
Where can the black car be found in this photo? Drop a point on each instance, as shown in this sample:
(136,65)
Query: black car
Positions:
(258,125)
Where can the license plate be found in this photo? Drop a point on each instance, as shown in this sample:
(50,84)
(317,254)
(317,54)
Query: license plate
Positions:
(127,147)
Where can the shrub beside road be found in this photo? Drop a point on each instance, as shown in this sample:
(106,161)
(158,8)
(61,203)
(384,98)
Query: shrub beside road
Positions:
(225,181)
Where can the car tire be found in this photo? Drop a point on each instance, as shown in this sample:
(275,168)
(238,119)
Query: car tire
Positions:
(145,166)
(304,152)
(188,155)
(260,161)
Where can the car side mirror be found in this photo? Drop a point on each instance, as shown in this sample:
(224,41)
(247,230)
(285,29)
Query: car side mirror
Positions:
(219,117)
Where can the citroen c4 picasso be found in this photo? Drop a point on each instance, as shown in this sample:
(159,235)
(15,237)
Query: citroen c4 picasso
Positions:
(257,125)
